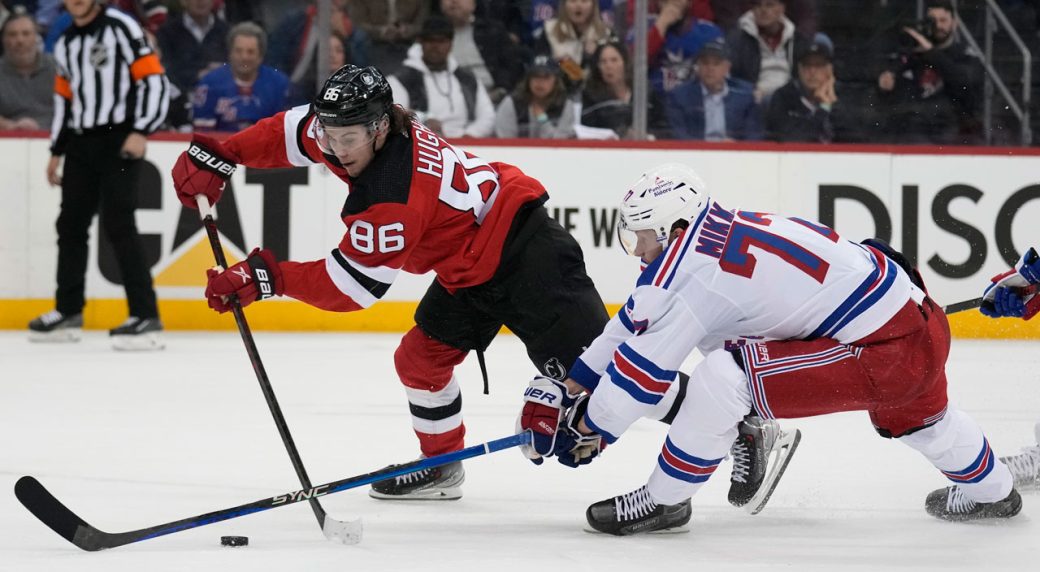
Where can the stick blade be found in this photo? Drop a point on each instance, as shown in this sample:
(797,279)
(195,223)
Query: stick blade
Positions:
(344,532)
(42,504)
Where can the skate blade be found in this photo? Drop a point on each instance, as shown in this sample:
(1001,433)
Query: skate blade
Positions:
(783,449)
(62,336)
(140,343)
(674,530)
(448,494)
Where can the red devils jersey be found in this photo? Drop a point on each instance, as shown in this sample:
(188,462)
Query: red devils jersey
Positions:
(422,204)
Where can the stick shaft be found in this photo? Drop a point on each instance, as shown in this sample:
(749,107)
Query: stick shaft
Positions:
(205,210)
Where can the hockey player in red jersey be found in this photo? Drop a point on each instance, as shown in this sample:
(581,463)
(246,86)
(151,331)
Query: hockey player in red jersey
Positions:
(416,204)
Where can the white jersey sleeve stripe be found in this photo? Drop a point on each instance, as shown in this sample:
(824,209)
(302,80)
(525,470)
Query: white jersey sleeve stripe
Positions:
(293,152)
(353,282)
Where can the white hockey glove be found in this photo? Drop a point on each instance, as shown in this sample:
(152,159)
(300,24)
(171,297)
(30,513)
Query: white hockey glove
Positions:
(573,448)
(545,400)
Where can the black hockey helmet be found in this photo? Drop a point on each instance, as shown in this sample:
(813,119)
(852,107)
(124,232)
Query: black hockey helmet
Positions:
(353,96)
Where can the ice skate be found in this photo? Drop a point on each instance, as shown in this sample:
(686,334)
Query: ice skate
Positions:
(636,513)
(1025,466)
(56,327)
(754,477)
(952,504)
(138,334)
(437,483)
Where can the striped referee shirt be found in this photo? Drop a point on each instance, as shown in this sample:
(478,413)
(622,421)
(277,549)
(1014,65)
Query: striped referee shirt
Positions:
(107,75)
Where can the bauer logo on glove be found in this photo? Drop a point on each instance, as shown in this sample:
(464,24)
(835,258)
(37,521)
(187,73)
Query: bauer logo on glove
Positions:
(205,159)
(545,401)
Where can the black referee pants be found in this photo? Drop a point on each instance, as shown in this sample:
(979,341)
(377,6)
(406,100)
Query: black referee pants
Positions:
(97,180)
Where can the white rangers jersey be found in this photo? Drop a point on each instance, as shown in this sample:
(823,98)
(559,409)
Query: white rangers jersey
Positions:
(734,276)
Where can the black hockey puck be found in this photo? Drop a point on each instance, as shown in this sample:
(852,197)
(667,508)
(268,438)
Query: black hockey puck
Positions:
(234,541)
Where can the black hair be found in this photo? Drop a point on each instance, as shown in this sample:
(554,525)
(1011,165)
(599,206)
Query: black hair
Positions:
(595,83)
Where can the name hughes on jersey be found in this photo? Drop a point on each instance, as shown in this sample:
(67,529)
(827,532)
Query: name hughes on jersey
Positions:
(428,149)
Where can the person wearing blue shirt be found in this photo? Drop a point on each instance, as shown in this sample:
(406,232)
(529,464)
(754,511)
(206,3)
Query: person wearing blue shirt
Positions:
(243,91)
(712,106)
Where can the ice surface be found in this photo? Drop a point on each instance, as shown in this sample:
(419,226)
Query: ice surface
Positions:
(134,440)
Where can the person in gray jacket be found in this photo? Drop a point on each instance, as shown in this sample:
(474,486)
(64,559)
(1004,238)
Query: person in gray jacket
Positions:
(26,77)
(763,47)
(539,108)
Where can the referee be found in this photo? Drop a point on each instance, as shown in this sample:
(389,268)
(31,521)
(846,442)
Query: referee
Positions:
(110,93)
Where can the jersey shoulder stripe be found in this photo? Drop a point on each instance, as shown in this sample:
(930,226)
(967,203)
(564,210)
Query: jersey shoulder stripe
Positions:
(872,289)
(675,254)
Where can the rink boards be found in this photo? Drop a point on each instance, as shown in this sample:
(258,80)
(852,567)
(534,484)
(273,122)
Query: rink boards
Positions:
(962,214)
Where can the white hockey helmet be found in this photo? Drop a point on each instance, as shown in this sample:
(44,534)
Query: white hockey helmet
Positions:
(663,195)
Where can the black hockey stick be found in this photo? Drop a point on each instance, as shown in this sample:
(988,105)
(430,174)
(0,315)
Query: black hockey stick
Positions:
(347,532)
(977,302)
(962,306)
(60,519)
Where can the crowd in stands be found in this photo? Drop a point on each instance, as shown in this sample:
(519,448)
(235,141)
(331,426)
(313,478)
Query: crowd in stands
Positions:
(719,70)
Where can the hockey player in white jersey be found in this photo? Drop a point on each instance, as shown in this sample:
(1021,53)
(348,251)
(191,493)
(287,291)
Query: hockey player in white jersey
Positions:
(1013,294)
(794,322)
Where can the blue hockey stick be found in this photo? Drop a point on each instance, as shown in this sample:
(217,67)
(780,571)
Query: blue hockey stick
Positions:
(60,519)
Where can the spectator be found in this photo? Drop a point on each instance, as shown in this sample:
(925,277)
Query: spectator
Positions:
(606,101)
(807,109)
(242,91)
(539,108)
(802,12)
(193,44)
(714,107)
(150,13)
(675,36)
(483,46)
(932,85)
(391,27)
(534,14)
(571,38)
(26,76)
(445,96)
(763,47)
(303,90)
(294,44)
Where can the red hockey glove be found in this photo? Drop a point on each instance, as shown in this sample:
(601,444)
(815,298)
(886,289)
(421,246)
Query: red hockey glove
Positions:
(255,278)
(203,169)
(545,400)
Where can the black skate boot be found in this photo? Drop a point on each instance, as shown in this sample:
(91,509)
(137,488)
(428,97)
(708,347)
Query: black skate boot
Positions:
(636,512)
(56,327)
(753,479)
(438,483)
(952,504)
(141,334)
